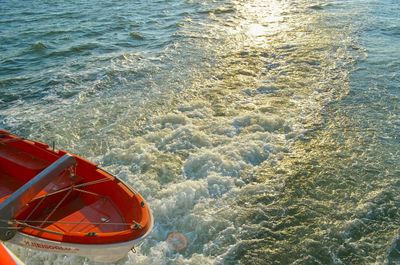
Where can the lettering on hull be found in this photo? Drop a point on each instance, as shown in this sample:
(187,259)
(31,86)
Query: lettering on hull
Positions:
(31,244)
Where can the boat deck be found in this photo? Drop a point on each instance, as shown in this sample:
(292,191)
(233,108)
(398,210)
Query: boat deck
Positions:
(98,217)
(80,204)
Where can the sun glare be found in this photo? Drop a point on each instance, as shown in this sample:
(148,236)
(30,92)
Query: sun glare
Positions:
(256,30)
(268,22)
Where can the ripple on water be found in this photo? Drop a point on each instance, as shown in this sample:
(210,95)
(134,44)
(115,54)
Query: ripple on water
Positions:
(224,118)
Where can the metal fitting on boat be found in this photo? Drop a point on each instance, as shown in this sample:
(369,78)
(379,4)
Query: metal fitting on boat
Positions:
(91,234)
(136,226)
(6,232)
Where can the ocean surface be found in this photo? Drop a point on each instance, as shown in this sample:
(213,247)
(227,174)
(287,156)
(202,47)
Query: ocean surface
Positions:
(266,132)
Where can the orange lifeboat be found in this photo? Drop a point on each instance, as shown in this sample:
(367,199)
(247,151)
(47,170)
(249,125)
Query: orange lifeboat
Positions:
(59,202)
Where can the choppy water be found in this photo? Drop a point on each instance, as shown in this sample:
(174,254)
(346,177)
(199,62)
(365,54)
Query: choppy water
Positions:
(267,132)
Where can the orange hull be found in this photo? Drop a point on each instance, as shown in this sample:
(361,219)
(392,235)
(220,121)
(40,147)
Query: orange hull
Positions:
(7,258)
(83,205)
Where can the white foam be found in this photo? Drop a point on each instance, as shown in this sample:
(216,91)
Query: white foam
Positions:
(187,137)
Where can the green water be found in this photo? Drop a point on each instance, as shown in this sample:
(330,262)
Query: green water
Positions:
(267,132)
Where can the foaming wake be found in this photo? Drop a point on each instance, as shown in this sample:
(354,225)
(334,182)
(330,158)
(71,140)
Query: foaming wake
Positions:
(198,122)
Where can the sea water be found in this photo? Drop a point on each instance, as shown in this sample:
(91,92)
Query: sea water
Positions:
(265,132)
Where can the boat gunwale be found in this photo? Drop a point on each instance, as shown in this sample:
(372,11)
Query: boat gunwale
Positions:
(125,235)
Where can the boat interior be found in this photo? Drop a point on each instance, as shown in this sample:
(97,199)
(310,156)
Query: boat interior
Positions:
(83,204)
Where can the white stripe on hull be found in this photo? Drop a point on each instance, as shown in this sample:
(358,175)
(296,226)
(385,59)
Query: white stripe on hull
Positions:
(95,252)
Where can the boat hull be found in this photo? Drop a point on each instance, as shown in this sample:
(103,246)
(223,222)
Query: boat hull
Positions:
(98,252)
(7,257)
(54,201)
